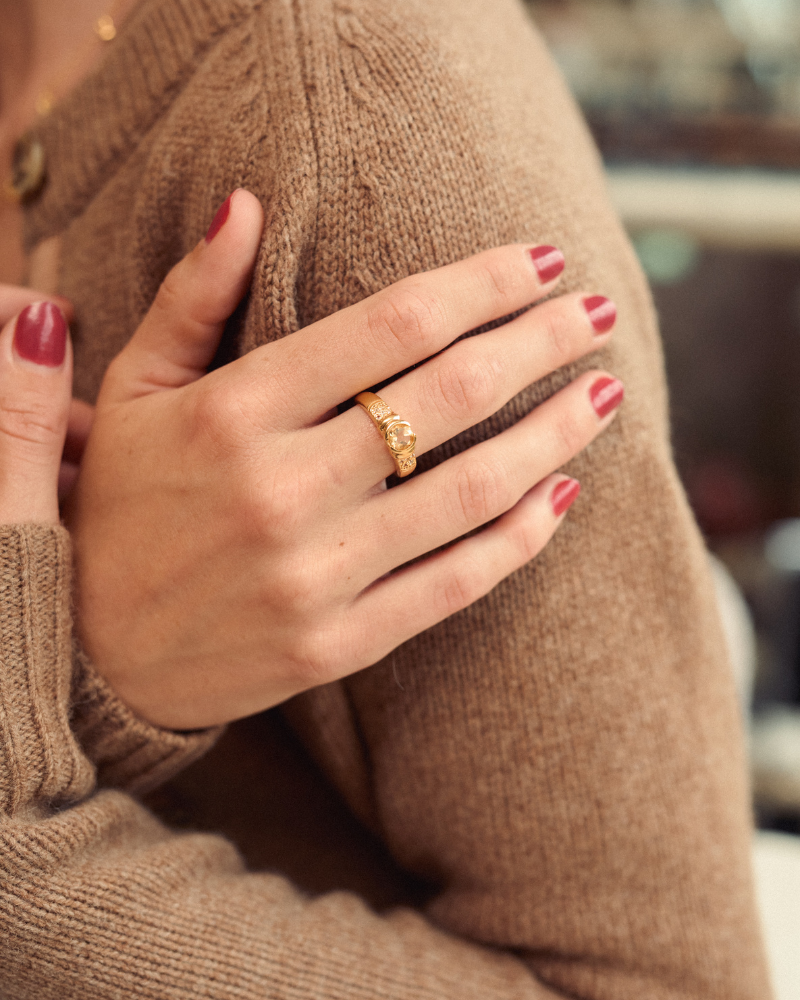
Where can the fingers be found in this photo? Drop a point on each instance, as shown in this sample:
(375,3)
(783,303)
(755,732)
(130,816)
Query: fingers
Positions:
(13,299)
(470,381)
(427,592)
(330,361)
(35,388)
(177,339)
(488,479)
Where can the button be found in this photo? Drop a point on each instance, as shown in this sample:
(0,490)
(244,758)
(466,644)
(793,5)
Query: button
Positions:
(28,169)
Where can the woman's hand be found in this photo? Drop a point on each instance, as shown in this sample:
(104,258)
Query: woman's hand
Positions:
(13,299)
(235,541)
(35,388)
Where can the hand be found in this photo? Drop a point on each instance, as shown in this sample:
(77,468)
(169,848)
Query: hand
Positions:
(235,541)
(14,299)
(35,387)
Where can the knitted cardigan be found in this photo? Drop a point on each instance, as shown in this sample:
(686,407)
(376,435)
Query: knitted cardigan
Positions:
(549,787)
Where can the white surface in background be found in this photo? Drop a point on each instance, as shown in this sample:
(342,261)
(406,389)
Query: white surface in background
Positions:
(777,865)
(760,21)
(776,751)
(740,636)
(783,546)
(749,209)
(775,759)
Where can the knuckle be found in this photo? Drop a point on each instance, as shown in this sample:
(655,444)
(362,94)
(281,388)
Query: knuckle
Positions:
(503,277)
(480,494)
(217,411)
(317,658)
(408,315)
(462,586)
(463,387)
(169,301)
(560,334)
(297,586)
(526,542)
(37,423)
(570,434)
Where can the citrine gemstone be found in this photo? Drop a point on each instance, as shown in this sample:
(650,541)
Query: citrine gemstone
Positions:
(401,437)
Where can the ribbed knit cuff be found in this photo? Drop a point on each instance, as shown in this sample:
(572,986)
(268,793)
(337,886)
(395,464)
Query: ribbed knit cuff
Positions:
(40,761)
(128,752)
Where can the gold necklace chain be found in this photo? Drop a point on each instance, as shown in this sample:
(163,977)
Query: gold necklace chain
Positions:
(104,29)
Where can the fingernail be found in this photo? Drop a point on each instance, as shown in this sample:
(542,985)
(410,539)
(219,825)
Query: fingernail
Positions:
(606,395)
(41,334)
(219,219)
(602,312)
(564,495)
(548,261)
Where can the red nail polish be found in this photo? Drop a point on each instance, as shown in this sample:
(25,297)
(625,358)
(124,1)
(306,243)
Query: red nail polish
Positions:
(602,312)
(219,219)
(606,395)
(564,495)
(548,261)
(41,334)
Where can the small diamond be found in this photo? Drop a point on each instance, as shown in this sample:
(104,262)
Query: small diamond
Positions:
(379,410)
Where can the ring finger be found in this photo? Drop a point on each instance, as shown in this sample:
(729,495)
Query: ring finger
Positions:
(485,481)
(468,383)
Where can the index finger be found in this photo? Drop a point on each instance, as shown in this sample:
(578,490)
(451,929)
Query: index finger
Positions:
(15,298)
(330,361)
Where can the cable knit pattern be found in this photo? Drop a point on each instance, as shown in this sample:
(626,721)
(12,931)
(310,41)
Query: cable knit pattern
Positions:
(561,762)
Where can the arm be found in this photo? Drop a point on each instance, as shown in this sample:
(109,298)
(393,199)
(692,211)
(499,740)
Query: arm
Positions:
(96,897)
(564,757)
(368,173)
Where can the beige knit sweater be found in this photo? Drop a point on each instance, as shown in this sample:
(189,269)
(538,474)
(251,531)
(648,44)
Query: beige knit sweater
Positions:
(554,777)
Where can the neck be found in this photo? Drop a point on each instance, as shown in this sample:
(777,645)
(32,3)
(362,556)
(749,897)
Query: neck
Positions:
(38,36)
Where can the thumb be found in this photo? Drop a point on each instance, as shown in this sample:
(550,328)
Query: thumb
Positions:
(35,390)
(176,340)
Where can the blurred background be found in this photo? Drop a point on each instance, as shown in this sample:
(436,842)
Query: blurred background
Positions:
(695,105)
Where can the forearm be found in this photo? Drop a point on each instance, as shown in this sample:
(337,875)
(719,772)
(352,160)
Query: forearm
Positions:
(98,898)
(560,758)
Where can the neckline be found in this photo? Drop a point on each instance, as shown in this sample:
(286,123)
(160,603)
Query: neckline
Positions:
(98,125)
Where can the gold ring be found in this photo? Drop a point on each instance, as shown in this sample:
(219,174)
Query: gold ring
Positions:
(397,433)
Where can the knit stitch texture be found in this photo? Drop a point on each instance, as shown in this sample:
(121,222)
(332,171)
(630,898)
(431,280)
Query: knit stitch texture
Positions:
(561,763)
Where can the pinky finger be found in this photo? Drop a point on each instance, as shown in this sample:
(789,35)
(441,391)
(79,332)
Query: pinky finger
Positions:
(420,596)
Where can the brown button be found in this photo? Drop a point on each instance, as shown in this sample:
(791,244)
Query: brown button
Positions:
(28,169)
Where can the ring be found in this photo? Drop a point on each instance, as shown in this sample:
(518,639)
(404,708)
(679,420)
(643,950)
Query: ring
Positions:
(397,433)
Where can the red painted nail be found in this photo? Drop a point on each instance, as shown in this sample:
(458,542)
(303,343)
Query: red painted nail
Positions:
(548,261)
(41,334)
(606,395)
(564,495)
(219,219)
(602,312)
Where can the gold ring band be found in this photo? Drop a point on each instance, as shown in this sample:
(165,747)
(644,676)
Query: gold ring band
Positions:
(397,433)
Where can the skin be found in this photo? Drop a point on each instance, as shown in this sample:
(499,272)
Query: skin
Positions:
(230,534)
(218,516)
(44,44)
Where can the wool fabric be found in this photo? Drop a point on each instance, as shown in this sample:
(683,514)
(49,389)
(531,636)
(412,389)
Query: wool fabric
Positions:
(550,784)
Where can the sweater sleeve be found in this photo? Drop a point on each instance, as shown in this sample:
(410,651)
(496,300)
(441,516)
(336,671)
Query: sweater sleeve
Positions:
(124,751)
(128,752)
(98,900)
(563,759)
